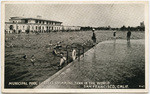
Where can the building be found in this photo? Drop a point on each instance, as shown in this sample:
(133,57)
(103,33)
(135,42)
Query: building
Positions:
(142,24)
(71,28)
(141,27)
(21,24)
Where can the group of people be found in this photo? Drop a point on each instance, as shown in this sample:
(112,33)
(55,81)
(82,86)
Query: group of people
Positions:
(128,35)
(63,58)
(55,54)
(32,59)
(114,35)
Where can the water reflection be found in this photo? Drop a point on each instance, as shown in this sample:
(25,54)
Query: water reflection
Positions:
(93,62)
(114,45)
(128,44)
(94,56)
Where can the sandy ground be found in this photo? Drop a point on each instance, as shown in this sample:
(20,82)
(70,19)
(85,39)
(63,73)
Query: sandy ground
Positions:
(18,69)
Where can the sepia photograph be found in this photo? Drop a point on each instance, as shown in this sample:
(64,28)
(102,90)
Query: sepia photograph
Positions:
(75,45)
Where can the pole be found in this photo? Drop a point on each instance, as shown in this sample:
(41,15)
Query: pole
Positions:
(67,54)
(83,51)
(67,57)
(16,27)
(79,55)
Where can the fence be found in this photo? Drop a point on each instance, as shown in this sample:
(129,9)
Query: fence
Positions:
(80,50)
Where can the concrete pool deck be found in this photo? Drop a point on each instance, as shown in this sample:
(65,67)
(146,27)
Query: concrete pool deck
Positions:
(111,62)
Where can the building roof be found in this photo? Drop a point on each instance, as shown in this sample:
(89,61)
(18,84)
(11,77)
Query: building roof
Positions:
(32,24)
(23,18)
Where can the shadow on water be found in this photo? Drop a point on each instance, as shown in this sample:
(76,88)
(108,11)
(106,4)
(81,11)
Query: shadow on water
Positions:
(114,45)
(128,44)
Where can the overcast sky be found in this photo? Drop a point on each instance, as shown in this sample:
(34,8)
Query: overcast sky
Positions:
(114,15)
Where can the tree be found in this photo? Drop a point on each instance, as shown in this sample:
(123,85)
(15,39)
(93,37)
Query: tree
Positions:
(123,28)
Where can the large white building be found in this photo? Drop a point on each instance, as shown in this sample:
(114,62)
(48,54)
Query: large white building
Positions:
(20,24)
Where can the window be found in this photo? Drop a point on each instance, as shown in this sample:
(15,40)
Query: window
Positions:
(26,21)
(11,27)
(40,27)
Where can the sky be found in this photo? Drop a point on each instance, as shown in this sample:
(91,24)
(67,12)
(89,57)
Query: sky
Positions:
(97,15)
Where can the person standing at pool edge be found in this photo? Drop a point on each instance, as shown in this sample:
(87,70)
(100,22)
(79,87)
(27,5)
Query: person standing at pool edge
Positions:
(128,35)
(93,36)
(114,34)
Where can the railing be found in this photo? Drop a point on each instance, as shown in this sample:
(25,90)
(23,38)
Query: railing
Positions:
(80,49)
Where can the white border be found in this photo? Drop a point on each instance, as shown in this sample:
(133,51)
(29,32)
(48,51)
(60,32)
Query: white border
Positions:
(75,90)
